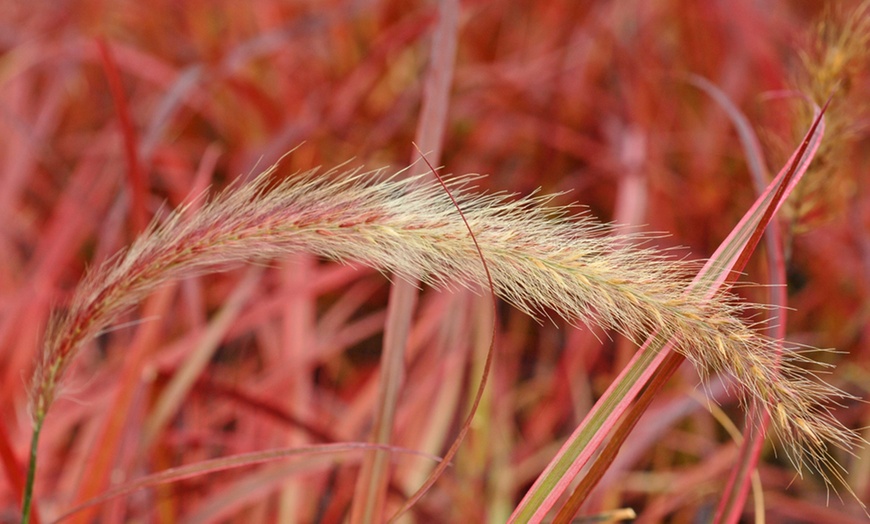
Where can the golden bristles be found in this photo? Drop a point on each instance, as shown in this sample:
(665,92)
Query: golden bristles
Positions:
(540,258)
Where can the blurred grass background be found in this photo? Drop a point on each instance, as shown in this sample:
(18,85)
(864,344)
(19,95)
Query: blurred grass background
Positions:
(113,112)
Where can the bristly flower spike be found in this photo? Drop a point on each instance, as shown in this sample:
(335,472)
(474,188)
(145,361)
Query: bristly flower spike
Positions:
(540,259)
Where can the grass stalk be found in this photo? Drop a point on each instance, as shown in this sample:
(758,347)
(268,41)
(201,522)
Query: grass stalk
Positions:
(535,257)
(27,502)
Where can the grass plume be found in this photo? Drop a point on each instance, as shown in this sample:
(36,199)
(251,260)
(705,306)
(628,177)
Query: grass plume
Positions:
(835,61)
(541,259)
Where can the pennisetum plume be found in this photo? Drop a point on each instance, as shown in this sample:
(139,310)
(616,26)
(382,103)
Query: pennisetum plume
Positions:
(540,258)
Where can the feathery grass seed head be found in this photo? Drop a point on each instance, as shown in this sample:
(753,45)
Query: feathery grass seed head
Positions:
(540,259)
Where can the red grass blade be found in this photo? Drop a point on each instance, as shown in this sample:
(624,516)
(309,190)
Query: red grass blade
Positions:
(135,176)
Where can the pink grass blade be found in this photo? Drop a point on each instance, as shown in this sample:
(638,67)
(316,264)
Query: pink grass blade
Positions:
(371,489)
(135,176)
(183,380)
(738,246)
(297,333)
(720,270)
(663,370)
(231,462)
(372,482)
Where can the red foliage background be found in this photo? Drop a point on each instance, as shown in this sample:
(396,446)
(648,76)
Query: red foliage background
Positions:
(112,112)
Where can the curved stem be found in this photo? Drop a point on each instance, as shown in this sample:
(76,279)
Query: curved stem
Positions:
(31,472)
